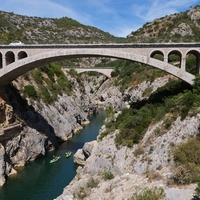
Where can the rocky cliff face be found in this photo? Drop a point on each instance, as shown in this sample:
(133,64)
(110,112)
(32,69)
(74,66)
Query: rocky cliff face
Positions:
(29,128)
(147,164)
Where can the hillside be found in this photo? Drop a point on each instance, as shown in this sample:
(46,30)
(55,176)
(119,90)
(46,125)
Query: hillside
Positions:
(34,30)
(179,27)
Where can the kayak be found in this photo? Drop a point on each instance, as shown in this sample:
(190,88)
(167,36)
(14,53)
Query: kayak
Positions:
(68,154)
(55,159)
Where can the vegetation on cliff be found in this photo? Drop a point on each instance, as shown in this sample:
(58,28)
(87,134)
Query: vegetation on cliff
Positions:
(46,83)
(174,99)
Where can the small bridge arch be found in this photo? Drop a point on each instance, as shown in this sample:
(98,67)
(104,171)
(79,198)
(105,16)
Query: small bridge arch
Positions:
(106,71)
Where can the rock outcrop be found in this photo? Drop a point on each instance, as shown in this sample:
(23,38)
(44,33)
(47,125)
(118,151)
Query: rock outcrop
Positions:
(150,167)
(82,155)
(183,29)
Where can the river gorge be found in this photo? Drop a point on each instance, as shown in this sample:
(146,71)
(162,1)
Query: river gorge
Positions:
(130,170)
(42,180)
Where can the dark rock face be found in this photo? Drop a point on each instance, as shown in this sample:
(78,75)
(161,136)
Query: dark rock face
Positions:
(195,198)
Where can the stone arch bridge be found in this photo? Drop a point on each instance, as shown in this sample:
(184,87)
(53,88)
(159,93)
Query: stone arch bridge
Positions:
(19,59)
(106,71)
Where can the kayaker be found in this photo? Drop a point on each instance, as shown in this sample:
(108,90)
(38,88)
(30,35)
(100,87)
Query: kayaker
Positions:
(54,157)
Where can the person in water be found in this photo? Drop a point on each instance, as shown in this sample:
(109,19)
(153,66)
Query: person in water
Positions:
(54,157)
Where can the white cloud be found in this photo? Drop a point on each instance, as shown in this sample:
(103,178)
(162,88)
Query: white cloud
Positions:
(123,31)
(158,8)
(43,8)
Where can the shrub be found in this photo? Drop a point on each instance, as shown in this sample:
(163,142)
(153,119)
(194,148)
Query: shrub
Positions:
(149,193)
(81,193)
(103,134)
(45,95)
(139,150)
(107,175)
(181,175)
(186,157)
(147,91)
(92,183)
(30,91)
(38,76)
(197,189)
(188,152)
(131,128)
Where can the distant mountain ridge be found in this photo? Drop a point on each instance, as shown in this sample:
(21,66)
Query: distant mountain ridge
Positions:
(179,27)
(48,30)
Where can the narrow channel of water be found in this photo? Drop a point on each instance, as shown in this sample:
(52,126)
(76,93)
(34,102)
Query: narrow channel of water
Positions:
(40,180)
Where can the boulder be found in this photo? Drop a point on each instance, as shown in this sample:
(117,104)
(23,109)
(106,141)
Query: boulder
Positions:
(79,157)
(87,148)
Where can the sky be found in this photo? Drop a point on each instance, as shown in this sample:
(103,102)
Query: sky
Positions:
(118,17)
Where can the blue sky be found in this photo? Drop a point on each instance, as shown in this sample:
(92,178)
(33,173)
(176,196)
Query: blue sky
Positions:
(118,17)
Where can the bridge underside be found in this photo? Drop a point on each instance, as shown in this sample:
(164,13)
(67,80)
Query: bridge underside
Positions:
(18,68)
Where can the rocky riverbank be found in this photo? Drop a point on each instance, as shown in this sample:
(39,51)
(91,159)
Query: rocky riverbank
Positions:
(148,164)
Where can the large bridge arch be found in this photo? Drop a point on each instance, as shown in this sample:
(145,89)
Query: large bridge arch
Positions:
(16,69)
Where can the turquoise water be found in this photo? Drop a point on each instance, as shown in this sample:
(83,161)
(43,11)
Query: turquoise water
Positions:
(40,180)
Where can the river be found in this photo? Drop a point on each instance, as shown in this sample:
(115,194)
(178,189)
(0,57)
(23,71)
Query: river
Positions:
(40,180)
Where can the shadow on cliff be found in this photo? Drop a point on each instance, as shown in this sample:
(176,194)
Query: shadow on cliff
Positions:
(172,88)
(26,113)
(195,198)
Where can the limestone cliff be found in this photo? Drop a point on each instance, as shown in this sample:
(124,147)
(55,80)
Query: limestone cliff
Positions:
(148,164)
(29,129)
(150,167)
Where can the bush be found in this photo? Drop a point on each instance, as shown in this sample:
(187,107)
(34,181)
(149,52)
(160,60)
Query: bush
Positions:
(186,157)
(30,91)
(197,189)
(149,193)
(103,134)
(107,175)
(131,128)
(188,152)
(181,175)
(147,91)
(92,183)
